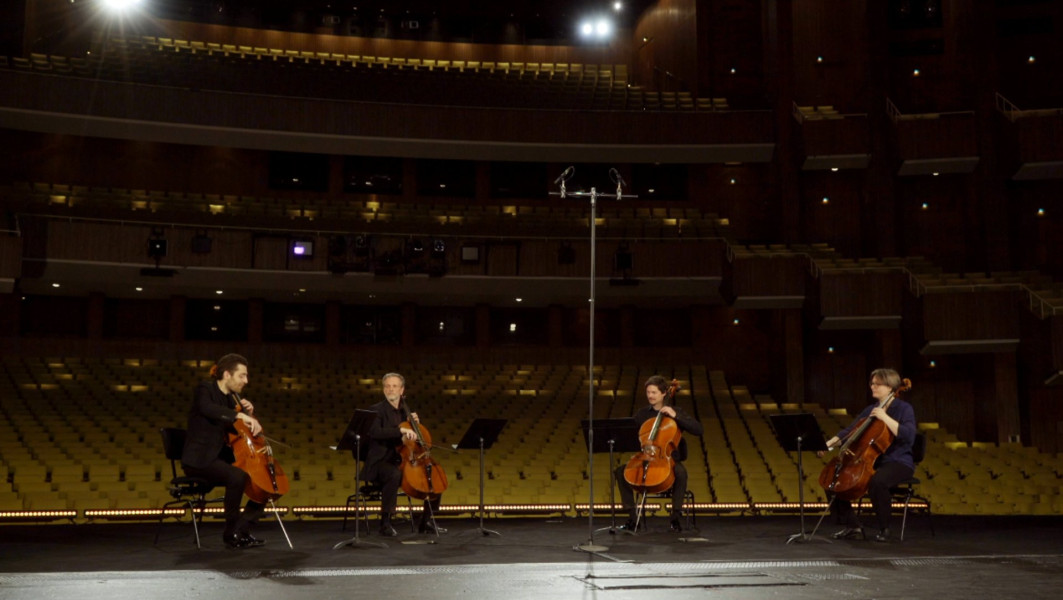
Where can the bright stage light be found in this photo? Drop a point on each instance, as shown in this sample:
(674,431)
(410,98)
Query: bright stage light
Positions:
(119,5)
(597,29)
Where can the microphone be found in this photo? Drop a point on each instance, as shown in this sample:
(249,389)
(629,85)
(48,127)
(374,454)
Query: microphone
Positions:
(565,175)
(615,176)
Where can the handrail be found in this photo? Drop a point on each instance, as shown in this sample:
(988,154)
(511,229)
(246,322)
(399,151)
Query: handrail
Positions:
(1006,107)
(892,110)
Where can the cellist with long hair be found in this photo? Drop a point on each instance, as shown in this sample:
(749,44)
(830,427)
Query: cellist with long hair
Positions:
(893,466)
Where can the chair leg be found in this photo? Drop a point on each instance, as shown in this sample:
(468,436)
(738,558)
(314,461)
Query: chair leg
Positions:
(195,524)
(191,506)
(688,506)
(409,506)
(347,509)
(904,515)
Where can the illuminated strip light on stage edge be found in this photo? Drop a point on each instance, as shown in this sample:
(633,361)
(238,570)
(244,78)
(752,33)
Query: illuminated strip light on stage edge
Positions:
(446,508)
(91,513)
(37,514)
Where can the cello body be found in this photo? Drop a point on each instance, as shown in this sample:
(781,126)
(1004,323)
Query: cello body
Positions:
(653,469)
(254,455)
(848,474)
(422,477)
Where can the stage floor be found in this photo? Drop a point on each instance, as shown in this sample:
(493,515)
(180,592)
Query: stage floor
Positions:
(728,557)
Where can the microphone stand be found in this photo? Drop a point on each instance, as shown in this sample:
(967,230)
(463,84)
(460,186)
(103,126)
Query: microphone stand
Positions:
(589,545)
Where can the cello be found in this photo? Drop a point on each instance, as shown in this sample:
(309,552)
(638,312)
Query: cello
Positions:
(652,470)
(422,477)
(254,455)
(848,474)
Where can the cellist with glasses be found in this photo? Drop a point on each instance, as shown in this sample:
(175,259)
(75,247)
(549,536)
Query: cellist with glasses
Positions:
(893,466)
(656,394)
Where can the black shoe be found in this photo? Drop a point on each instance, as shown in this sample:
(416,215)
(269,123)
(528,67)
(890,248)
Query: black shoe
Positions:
(629,526)
(429,526)
(251,541)
(850,533)
(883,535)
(234,540)
(675,526)
(387,530)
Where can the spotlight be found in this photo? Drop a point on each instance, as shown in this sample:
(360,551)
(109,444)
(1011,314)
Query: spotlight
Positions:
(157,247)
(599,29)
(302,248)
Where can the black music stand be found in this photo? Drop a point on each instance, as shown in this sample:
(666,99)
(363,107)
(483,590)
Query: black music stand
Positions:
(357,429)
(612,435)
(482,434)
(799,432)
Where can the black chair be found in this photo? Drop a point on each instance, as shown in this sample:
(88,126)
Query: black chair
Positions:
(370,492)
(189,492)
(688,506)
(905,491)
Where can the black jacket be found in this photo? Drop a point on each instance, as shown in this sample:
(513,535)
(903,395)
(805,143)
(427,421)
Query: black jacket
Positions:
(686,423)
(209,422)
(384,439)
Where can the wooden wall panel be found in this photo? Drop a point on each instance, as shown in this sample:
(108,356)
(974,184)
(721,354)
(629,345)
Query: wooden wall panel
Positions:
(830,137)
(665,52)
(844,294)
(128,243)
(831,62)
(943,137)
(1046,419)
(972,315)
(10,256)
(768,276)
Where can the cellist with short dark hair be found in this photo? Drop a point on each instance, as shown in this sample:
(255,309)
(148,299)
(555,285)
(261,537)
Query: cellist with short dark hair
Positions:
(207,453)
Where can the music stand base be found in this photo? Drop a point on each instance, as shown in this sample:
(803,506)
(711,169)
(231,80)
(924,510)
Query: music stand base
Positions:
(613,530)
(356,543)
(590,547)
(802,538)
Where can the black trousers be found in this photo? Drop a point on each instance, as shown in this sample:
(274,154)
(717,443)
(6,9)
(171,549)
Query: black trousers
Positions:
(679,490)
(389,478)
(878,491)
(233,479)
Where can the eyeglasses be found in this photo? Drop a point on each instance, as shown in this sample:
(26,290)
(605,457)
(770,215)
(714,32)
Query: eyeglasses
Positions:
(876,383)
